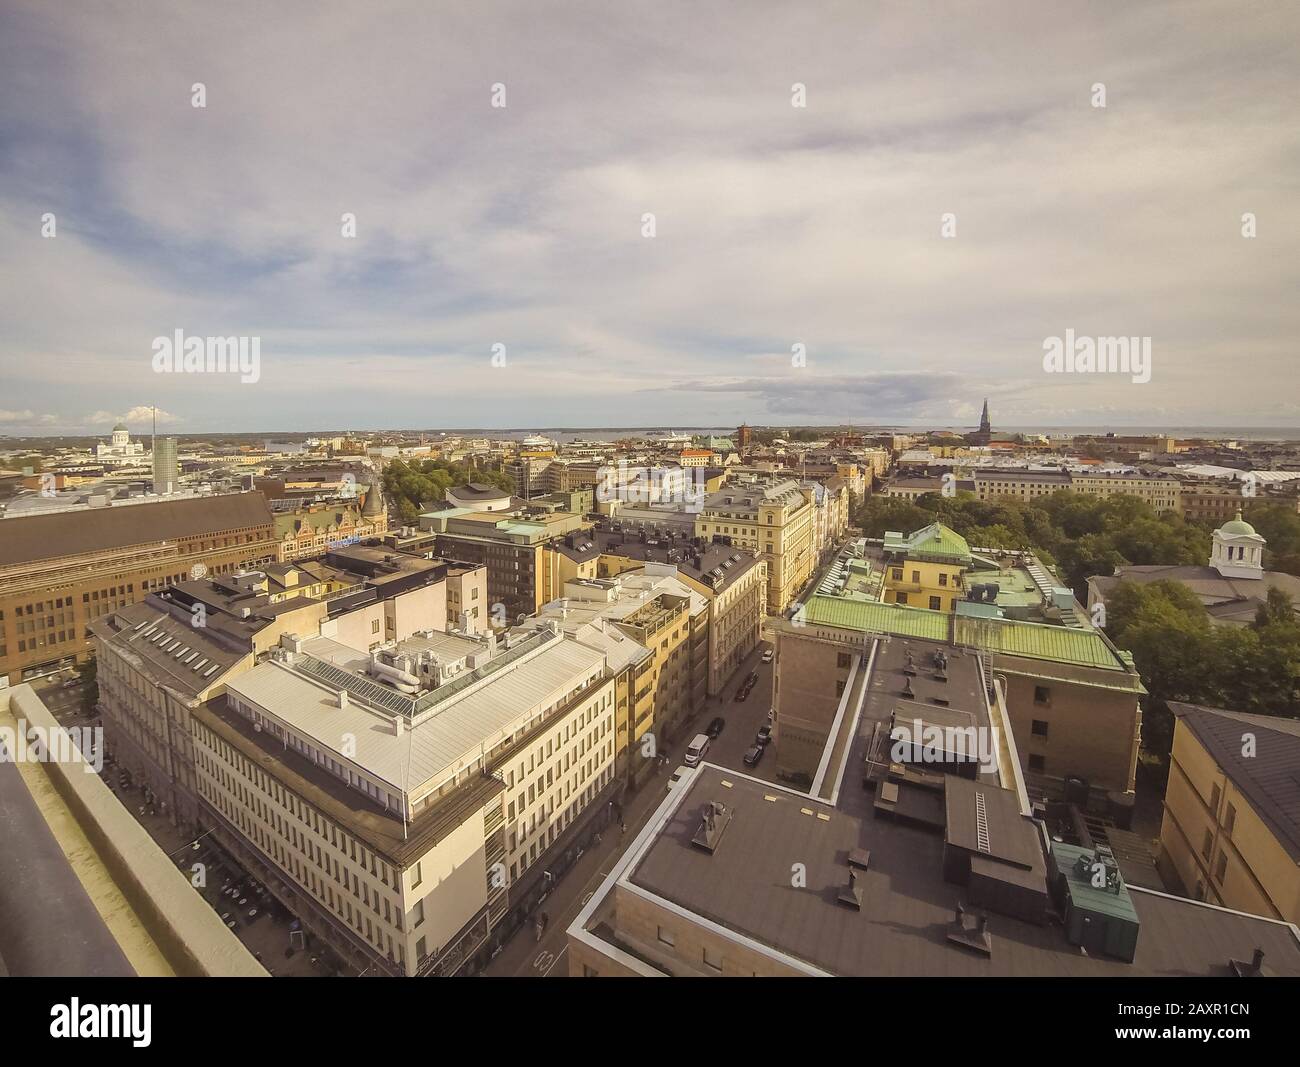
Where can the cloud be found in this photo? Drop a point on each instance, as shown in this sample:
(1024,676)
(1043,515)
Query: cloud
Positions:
(140,416)
(522,226)
(26,418)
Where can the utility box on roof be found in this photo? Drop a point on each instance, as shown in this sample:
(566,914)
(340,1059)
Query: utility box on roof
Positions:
(1099,913)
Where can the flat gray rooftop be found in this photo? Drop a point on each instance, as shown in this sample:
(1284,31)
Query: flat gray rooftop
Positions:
(746,886)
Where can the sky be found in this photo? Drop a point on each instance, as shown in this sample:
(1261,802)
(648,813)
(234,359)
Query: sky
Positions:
(949,198)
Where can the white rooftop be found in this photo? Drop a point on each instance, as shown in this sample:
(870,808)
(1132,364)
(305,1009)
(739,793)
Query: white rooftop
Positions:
(448,737)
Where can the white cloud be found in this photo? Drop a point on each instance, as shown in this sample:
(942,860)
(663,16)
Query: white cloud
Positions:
(775,225)
(139,417)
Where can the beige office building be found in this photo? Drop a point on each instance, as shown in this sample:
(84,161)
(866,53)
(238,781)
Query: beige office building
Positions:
(774,518)
(390,798)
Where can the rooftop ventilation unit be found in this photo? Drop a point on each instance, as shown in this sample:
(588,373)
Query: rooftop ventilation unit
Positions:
(715,817)
(852,893)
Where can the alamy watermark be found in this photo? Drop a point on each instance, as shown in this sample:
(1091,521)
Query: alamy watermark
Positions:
(651,485)
(62,744)
(1098,355)
(921,742)
(179,354)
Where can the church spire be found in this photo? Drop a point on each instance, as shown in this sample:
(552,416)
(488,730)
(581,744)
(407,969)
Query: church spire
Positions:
(985,425)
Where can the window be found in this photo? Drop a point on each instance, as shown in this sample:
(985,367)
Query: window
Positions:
(1042,695)
(666,936)
(936,604)
(916,577)
(839,687)
(1037,763)
(1207,845)
(901,598)
(374,626)
(416,876)
(943,578)
(589,972)
(843,660)
(712,960)
(1221,868)
(1231,820)
(1039,728)
(1215,797)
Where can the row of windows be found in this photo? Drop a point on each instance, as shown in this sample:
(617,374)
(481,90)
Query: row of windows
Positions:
(352,899)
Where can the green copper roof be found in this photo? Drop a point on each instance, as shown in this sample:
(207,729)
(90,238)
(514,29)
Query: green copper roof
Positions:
(1010,637)
(935,542)
(1036,640)
(877,617)
(1238,527)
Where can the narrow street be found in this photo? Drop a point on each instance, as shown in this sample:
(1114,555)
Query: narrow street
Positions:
(524,955)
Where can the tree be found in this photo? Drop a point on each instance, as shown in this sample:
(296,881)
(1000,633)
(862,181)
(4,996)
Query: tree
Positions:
(420,482)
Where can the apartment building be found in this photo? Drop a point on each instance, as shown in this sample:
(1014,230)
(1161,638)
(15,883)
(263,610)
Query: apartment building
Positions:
(177,648)
(59,572)
(1159,492)
(1022,485)
(312,529)
(396,823)
(913,488)
(1231,828)
(774,518)
(1216,502)
(513,546)
(661,614)
(830,518)
(732,580)
(566,475)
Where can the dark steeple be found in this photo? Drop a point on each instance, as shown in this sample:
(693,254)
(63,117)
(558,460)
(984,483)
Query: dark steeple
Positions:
(985,427)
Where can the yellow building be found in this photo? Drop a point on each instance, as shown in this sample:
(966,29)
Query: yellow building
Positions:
(925,570)
(653,629)
(1161,494)
(773,518)
(1231,829)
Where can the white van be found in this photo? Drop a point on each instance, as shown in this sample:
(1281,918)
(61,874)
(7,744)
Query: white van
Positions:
(697,750)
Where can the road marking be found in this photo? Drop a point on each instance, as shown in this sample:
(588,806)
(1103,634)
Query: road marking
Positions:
(544,960)
(547,972)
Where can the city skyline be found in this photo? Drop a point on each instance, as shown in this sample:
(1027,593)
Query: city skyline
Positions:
(781,232)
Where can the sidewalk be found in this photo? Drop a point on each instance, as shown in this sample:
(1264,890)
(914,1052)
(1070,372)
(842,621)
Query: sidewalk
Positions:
(523,955)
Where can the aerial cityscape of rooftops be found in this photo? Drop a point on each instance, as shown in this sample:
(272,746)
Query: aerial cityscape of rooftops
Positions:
(893,630)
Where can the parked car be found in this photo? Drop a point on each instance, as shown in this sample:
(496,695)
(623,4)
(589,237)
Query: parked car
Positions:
(752,680)
(742,693)
(768,655)
(677,776)
(764,735)
(715,727)
(753,754)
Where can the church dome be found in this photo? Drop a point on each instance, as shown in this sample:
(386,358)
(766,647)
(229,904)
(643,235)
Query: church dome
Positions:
(1238,527)
(119,428)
